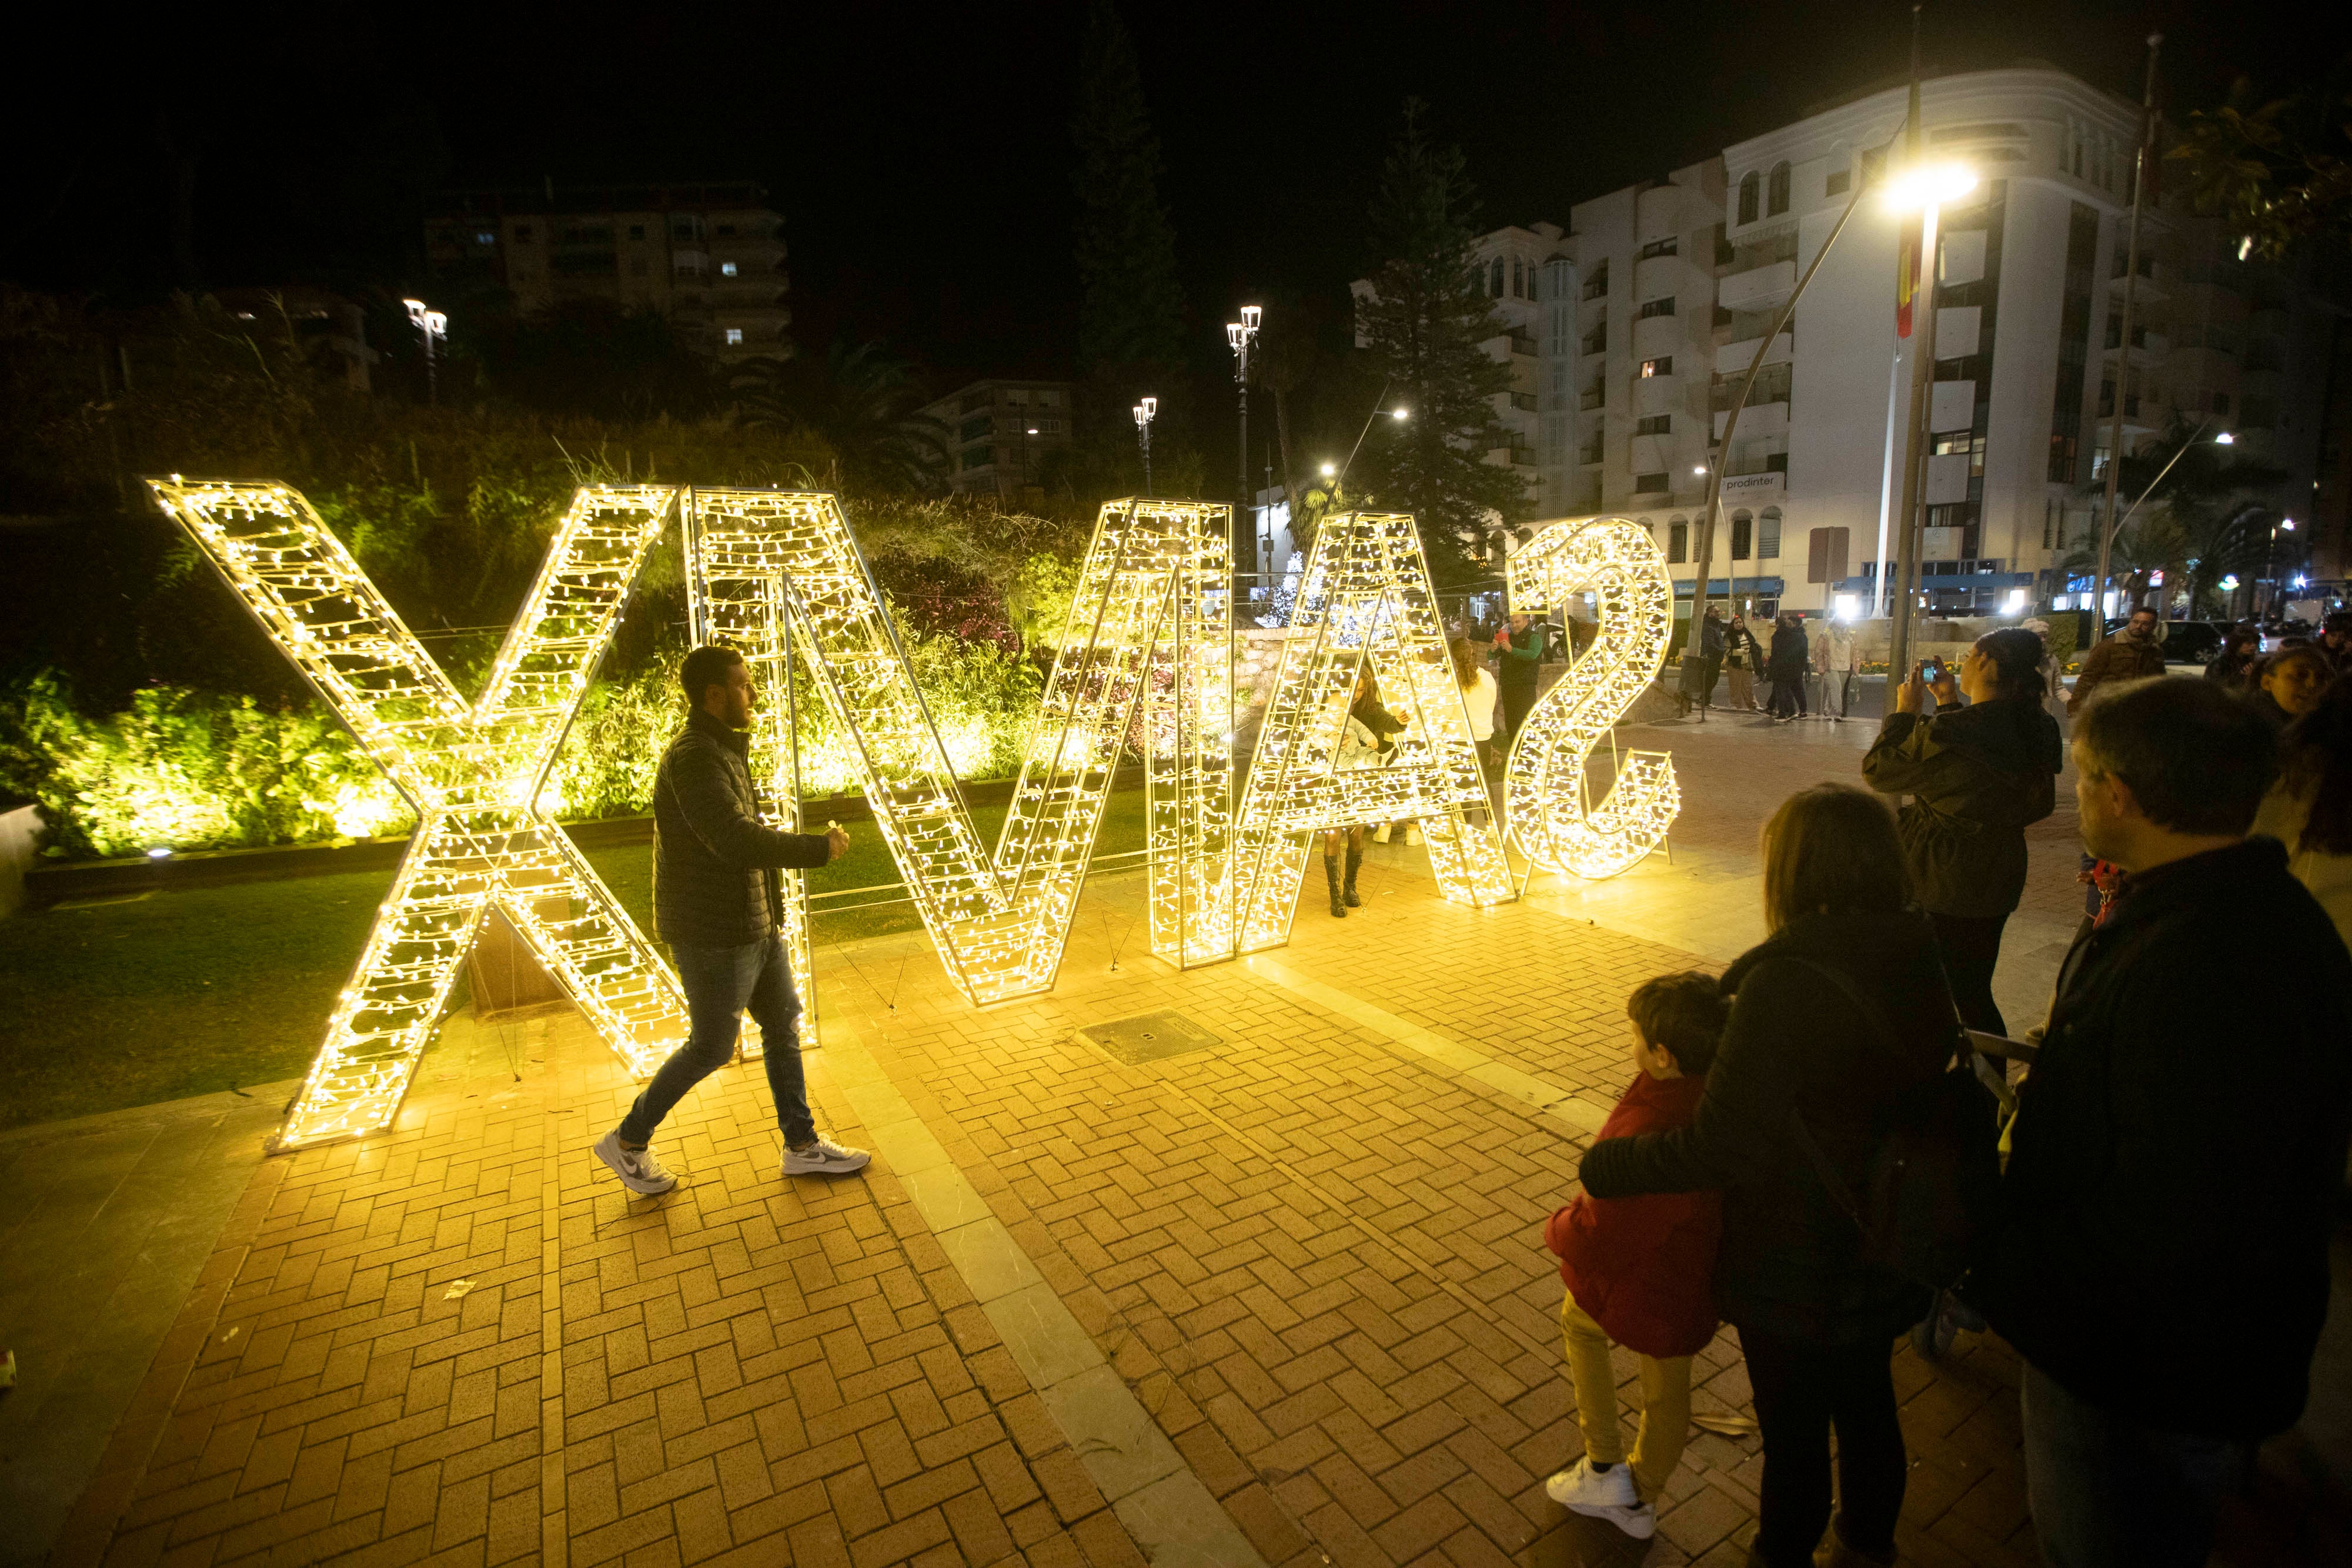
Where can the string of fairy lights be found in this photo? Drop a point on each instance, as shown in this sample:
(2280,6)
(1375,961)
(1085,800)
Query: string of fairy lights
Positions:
(1145,662)
(1545,791)
(472,771)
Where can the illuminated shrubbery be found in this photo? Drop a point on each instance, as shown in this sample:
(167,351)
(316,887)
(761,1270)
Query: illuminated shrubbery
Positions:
(187,771)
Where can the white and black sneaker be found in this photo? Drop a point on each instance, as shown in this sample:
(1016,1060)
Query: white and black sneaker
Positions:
(1604,1494)
(638,1170)
(824,1157)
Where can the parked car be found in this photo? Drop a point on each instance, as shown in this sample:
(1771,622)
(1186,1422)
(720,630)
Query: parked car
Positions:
(2189,641)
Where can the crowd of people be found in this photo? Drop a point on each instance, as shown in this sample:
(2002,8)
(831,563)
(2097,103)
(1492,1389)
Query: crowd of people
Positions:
(2162,1158)
(1806,666)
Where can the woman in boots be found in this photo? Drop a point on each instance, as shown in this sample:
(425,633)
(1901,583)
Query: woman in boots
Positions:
(1364,743)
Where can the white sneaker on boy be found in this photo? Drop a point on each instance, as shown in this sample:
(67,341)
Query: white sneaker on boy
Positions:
(1604,1494)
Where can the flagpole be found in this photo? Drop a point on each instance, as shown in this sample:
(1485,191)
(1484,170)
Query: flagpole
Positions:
(1921,263)
(2108,524)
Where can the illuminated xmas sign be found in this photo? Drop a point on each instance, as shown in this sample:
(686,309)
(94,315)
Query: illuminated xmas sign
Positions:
(1553,818)
(471,770)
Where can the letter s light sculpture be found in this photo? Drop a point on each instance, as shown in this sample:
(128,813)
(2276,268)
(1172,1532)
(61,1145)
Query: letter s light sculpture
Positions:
(1546,788)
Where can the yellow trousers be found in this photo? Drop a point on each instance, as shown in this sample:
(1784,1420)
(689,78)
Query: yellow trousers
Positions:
(1665,1401)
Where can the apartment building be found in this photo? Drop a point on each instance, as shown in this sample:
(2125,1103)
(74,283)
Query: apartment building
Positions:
(999,433)
(1647,312)
(711,257)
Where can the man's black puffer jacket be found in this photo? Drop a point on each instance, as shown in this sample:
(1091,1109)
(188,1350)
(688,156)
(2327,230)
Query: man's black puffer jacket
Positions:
(714,879)
(1790,1263)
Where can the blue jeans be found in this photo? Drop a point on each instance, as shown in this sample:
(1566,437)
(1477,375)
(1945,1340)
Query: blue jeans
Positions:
(720,984)
(2108,1492)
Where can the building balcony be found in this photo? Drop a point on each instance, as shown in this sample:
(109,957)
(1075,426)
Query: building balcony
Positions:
(1597,398)
(1657,394)
(1733,359)
(2148,349)
(1757,287)
(2154,282)
(1756,419)
(1657,274)
(1659,337)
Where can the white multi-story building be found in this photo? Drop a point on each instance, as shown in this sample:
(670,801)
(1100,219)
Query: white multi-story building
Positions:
(1001,433)
(1647,312)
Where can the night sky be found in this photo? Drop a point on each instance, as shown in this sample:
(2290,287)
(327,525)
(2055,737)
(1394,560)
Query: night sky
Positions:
(921,154)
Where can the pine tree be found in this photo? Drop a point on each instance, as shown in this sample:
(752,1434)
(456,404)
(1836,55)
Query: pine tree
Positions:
(1423,323)
(1131,305)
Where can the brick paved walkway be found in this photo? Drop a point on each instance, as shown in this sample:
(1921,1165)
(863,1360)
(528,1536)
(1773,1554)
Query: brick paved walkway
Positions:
(1308,1256)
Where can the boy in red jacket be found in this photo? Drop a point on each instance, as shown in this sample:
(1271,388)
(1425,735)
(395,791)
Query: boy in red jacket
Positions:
(1640,1270)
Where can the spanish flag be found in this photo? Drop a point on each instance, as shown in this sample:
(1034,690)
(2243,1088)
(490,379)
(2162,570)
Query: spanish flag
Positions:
(1907,272)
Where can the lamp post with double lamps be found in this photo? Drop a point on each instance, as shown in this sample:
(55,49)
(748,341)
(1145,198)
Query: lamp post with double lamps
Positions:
(1242,335)
(432,324)
(1145,412)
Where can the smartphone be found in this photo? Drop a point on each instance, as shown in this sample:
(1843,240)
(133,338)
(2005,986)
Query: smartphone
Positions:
(1931,670)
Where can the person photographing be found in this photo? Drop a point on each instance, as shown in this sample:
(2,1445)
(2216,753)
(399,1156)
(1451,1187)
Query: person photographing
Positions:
(1978,774)
(719,903)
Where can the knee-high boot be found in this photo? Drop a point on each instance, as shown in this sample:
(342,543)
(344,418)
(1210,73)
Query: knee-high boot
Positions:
(1354,859)
(1331,875)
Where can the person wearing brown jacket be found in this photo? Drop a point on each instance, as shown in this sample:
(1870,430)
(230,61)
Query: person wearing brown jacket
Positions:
(2133,652)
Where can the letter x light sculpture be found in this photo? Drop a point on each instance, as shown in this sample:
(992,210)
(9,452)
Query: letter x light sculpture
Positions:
(471,770)
(1554,820)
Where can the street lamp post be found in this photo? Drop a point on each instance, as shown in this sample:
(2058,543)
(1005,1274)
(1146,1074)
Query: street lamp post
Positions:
(1242,334)
(432,324)
(1711,519)
(2124,342)
(1399,415)
(1145,412)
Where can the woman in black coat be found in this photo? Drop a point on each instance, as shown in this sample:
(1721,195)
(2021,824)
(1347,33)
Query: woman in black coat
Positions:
(1791,657)
(1816,1320)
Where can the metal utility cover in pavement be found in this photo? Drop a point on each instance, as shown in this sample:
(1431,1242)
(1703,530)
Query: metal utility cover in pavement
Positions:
(1151,1038)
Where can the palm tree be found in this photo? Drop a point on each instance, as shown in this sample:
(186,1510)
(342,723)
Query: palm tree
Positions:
(862,401)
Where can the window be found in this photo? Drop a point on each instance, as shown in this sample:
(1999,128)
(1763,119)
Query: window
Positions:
(1749,187)
(1518,279)
(1494,279)
(1050,426)
(1767,534)
(726,270)
(1837,184)
(1664,366)
(1743,535)
(1655,425)
(1657,308)
(734,336)
(1526,401)
(977,457)
(483,236)
(1776,199)
(1660,248)
(1597,284)
(1677,543)
(1049,399)
(1652,485)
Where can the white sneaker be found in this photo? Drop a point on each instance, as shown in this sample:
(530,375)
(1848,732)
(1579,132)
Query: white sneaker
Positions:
(1413,834)
(637,1168)
(824,1157)
(1381,834)
(1604,1494)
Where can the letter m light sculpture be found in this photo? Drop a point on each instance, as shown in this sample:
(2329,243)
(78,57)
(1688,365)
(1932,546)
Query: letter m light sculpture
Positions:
(1146,652)
(472,770)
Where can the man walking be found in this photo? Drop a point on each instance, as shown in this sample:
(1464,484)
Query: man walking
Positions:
(719,903)
(1834,659)
(2134,651)
(2161,1262)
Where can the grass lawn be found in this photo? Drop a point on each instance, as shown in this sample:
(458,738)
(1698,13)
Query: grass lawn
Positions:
(176,994)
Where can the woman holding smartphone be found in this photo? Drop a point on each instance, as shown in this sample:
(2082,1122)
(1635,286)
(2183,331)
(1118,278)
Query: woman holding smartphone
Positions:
(1979,775)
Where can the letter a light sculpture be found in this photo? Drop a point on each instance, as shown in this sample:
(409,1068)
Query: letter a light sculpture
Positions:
(1552,818)
(472,771)
(779,577)
(1364,601)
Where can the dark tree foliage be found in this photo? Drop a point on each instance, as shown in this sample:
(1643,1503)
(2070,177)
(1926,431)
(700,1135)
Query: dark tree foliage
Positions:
(1424,324)
(1131,305)
(2278,171)
(591,358)
(862,401)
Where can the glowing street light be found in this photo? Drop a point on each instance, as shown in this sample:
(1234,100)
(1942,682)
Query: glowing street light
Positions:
(1399,415)
(432,324)
(1242,335)
(1925,186)
(1145,412)
(2225,439)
